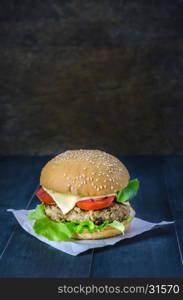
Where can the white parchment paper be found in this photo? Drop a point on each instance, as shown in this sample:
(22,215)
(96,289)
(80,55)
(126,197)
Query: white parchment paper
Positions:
(75,247)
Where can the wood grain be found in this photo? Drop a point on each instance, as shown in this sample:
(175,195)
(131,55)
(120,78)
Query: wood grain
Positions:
(19,178)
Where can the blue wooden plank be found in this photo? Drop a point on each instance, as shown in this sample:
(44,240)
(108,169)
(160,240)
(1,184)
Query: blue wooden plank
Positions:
(174,181)
(152,254)
(155,253)
(29,257)
(19,177)
(151,201)
(179,236)
(23,255)
(174,178)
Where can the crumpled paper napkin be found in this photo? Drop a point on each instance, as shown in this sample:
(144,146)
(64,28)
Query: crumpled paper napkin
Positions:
(74,247)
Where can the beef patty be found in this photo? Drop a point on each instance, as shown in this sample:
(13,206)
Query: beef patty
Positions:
(117,211)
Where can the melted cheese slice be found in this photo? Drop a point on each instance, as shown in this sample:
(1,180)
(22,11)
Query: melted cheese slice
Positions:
(66,202)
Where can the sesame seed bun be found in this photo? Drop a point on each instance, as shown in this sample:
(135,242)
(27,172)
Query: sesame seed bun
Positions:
(105,233)
(84,173)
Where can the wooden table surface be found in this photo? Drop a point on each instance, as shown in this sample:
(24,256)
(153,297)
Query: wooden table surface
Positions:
(157,253)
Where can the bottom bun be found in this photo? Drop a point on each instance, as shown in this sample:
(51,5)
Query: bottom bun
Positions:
(105,233)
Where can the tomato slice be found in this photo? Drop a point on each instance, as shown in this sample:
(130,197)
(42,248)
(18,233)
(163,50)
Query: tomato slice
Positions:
(44,196)
(95,204)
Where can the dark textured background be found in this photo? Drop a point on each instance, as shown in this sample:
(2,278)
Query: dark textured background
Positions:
(91,74)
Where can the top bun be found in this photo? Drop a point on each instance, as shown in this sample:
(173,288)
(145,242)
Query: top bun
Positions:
(84,173)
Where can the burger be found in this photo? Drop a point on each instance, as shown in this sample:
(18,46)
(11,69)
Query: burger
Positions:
(84,194)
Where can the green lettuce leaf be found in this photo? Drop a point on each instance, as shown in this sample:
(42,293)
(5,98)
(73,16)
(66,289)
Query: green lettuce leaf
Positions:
(129,219)
(54,231)
(62,231)
(128,192)
(118,225)
(38,213)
